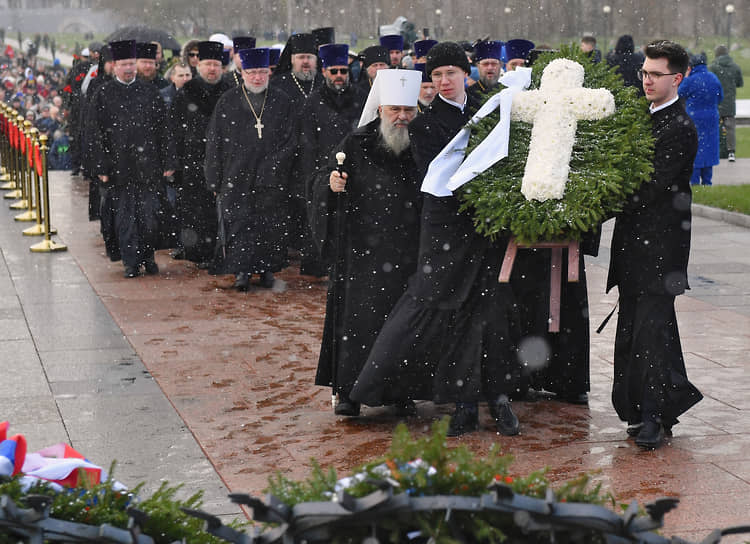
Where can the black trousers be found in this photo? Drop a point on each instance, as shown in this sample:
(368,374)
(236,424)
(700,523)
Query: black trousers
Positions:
(650,379)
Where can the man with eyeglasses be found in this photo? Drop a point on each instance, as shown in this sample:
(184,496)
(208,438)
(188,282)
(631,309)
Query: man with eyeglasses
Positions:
(250,144)
(332,112)
(487,56)
(648,265)
(233,75)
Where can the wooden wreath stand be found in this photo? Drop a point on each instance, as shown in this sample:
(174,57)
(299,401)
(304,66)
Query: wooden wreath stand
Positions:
(555,280)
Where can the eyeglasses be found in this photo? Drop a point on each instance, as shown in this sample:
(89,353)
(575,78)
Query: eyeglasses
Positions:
(193,54)
(653,76)
(336,71)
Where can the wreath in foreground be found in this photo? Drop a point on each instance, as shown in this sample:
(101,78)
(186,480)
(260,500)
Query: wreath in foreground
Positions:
(611,157)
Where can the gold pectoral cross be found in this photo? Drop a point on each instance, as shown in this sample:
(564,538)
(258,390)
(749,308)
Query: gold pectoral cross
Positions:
(258,125)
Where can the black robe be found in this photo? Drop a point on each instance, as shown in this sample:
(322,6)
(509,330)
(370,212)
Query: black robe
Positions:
(328,117)
(562,364)
(131,144)
(72,102)
(452,336)
(86,145)
(373,245)
(232,78)
(190,113)
(250,176)
(480,92)
(648,265)
(299,231)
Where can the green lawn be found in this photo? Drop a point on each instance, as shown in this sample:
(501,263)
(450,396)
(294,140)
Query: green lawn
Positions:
(735,198)
(743,141)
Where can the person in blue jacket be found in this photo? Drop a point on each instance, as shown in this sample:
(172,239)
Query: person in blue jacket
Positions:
(702,93)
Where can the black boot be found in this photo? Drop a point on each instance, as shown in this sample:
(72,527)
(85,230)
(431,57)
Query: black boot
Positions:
(131,272)
(506,421)
(150,266)
(346,407)
(406,408)
(464,420)
(651,435)
(266,279)
(242,281)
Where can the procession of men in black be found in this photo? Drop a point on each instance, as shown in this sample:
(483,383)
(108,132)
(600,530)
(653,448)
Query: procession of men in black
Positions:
(242,166)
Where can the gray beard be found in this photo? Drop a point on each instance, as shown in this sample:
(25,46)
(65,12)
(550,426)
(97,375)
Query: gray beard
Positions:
(333,87)
(305,76)
(394,139)
(256,89)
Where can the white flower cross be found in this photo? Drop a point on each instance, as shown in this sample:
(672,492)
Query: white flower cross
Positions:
(555,110)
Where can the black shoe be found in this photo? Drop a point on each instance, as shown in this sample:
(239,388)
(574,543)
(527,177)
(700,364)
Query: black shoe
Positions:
(131,272)
(464,420)
(346,407)
(266,280)
(242,281)
(574,398)
(634,429)
(151,268)
(506,421)
(178,254)
(406,409)
(651,435)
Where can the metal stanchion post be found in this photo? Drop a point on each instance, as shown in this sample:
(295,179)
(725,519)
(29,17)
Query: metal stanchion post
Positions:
(15,178)
(4,150)
(35,165)
(20,166)
(47,244)
(30,213)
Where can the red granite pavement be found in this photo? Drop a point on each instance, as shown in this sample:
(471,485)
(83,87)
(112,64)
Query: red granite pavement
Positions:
(239,369)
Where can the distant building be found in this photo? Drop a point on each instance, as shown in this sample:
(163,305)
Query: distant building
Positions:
(46,16)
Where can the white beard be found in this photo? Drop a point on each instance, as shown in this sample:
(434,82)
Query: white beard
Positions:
(257,89)
(395,139)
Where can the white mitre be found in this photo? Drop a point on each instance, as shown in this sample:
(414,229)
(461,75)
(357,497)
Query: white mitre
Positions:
(391,88)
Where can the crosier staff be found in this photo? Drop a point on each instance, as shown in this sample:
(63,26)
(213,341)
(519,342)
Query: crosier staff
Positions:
(337,182)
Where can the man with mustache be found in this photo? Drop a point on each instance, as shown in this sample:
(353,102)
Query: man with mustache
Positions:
(133,152)
(487,58)
(332,111)
(250,144)
(366,219)
(189,115)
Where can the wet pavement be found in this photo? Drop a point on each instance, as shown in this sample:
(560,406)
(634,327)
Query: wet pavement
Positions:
(180,377)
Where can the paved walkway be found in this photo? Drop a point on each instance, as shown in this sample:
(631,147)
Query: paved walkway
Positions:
(178,377)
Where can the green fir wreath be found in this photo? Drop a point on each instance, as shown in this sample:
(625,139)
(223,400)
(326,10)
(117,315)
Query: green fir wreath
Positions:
(611,158)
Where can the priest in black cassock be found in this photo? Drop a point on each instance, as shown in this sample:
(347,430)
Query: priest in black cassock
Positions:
(132,155)
(190,113)
(146,64)
(452,336)
(297,75)
(427,91)
(250,144)
(650,251)
(394,44)
(374,59)
(367,222)
(233,76)
(487,54)
(332,111)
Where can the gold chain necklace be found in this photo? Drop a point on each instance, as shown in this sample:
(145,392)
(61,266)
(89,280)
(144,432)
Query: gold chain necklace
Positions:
(258,125)
(236,79)
(300,87)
